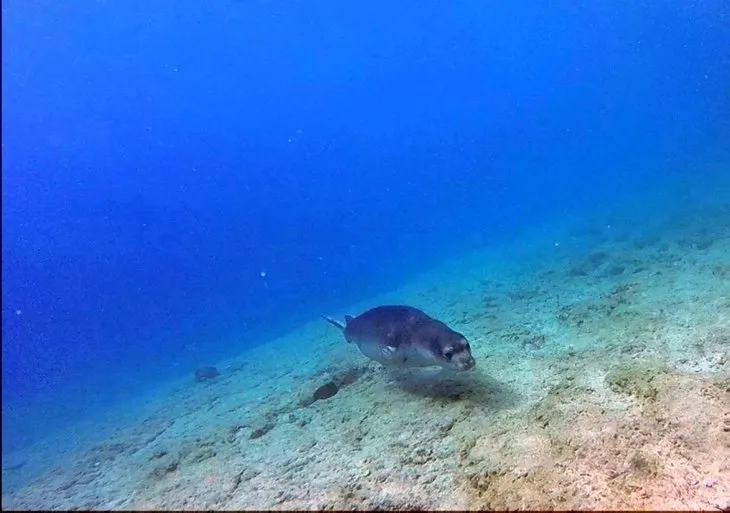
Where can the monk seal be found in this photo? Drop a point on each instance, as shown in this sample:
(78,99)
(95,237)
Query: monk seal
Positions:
(403,336)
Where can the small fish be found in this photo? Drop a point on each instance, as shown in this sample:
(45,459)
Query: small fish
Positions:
(403,336)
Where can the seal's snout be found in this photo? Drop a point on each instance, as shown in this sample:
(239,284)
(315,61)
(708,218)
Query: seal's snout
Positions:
(467,363)
(456,353)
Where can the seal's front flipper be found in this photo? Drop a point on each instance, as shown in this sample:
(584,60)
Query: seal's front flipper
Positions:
(390,356)
(387,352)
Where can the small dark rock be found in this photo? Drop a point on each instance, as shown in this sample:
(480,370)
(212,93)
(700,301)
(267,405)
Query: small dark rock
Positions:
(232,433)
(703,244)
(615,270)
(206,373)
(577,271)
(645,242)
(203,455)
(348,377)
(16,466)
(325,391)
(723,504)
(534,342)
(161,470)
(261,431)
(596,259)
(158,454)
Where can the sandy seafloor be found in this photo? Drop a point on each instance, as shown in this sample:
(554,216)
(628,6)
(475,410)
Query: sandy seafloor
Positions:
(602,381)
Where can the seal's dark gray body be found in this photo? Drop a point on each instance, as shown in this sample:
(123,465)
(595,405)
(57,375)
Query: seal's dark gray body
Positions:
(403,336)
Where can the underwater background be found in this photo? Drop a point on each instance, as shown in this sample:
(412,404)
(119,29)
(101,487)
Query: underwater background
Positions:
(184,181)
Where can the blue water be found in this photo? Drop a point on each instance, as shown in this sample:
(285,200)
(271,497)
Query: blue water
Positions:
(182,181)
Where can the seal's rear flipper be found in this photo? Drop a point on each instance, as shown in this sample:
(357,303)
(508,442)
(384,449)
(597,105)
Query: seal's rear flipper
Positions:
(336,324)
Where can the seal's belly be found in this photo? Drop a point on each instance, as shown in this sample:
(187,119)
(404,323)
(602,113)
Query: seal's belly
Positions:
(393,358)
(377,351)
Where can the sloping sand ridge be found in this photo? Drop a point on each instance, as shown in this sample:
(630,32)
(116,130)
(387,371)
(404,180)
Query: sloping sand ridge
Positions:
(602,382)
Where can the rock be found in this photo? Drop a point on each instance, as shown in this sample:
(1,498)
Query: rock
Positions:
(261,431)
(203,455)
(703,244)
(161,470)
(616,270)
(596,259)
(159,453)
(325,391)
(206,373)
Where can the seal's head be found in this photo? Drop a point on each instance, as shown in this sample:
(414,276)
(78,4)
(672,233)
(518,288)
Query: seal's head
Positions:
(456,355)
(450,350)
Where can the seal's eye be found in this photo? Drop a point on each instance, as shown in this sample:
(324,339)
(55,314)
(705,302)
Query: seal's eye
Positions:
(448,353)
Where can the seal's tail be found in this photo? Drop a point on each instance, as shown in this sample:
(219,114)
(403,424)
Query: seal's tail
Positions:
(333,322)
